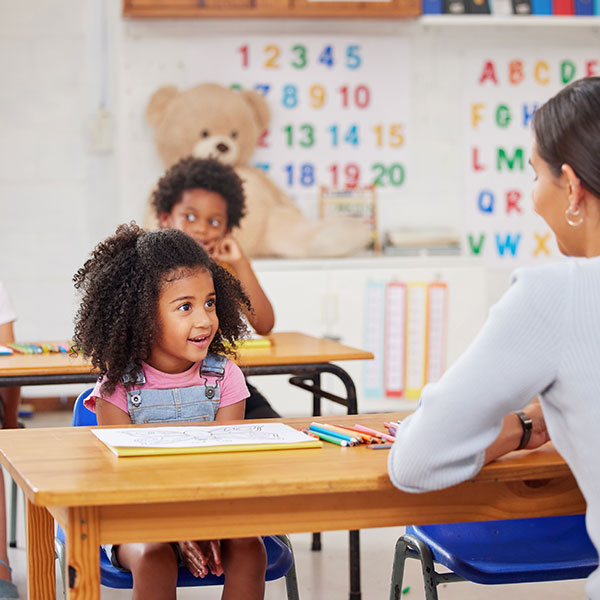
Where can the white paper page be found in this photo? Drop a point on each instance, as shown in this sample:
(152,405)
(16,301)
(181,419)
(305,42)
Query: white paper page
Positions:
(200,436)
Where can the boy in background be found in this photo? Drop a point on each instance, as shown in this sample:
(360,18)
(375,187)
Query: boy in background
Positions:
(205,199)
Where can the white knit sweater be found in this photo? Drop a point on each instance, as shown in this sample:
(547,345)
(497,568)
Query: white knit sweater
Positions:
(542,337)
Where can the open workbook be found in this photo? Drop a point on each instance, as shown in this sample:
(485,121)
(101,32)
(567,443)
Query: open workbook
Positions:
(145,441)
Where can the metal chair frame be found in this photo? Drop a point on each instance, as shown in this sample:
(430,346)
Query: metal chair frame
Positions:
(485,556)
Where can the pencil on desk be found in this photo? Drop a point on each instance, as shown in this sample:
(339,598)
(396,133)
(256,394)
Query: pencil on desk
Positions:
(318,428)
(385,436)
(331,438)
(350,435)
(391,427)
(367,438)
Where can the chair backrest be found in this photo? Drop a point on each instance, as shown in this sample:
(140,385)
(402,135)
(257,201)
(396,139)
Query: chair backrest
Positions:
(83,417)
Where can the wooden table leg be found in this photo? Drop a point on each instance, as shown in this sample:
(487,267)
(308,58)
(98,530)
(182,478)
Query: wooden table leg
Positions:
(83,554)
(41,580)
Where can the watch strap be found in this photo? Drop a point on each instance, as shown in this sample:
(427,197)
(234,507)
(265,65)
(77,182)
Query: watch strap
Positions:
(527,425)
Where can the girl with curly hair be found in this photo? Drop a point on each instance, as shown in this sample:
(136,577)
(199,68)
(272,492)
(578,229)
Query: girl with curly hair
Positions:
(157,318)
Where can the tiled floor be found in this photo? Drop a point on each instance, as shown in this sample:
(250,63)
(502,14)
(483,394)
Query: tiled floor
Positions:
(324,575)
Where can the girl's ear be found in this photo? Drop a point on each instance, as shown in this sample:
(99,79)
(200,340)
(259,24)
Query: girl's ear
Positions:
(165,221)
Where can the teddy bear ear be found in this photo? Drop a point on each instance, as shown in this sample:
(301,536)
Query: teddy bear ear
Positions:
(158,103)
(260,108)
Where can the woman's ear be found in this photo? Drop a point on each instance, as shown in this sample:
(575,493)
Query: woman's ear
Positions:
(165,221)
(574,189)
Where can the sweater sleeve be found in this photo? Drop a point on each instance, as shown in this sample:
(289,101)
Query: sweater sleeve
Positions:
(514,357)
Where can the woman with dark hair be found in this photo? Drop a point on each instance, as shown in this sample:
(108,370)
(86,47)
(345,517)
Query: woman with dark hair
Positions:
(542,339)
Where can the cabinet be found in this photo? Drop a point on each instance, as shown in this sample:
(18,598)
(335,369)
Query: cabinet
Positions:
(270,8)
(326,297)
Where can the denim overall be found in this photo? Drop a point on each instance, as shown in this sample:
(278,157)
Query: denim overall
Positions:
(196,403)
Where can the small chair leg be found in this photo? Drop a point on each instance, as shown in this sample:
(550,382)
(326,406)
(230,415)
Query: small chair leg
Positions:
(411,546)
(13,515)
(316,542)
(291,581)
(59,553)
(398,569)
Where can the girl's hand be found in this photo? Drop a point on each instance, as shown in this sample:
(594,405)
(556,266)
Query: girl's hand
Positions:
(228,251)
(202,557)
(539,432)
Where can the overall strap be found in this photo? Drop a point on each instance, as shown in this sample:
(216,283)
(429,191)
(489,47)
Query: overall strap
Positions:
(134,375)
(213,366)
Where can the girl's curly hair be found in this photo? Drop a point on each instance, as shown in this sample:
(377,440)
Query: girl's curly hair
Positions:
(201,173)
(120,284)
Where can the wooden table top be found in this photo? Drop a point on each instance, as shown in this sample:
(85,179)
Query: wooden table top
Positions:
(286,348)
(71,467)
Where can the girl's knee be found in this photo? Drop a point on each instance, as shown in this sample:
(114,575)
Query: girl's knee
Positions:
(245,551)
(152,559)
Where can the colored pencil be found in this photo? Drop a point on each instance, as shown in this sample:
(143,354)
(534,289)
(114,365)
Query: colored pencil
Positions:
(379,446)
(332,439)
(317,428)
(354,437)
(385,436)
(353,431)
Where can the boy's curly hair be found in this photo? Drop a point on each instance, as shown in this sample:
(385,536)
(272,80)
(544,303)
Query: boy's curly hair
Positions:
(201,173)
(120,284)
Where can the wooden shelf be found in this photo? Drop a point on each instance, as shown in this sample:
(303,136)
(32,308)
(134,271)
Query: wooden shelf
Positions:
(270,8)
(509,20)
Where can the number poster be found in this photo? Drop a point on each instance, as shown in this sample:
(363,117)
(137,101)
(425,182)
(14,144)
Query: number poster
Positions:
(339,104)
(502,92)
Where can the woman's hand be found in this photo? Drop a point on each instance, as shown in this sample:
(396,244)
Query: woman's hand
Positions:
(512,431)
(202,557)
(539,431)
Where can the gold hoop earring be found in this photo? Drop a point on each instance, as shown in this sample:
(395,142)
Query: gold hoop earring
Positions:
(574,217)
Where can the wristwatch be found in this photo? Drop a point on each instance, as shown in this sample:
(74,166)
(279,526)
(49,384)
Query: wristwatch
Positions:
(527,425)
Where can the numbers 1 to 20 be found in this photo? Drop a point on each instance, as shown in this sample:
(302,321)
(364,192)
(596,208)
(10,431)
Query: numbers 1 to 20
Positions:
(348,175)
(300,57)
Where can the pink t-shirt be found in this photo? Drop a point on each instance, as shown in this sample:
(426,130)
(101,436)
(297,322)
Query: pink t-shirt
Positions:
(232,387)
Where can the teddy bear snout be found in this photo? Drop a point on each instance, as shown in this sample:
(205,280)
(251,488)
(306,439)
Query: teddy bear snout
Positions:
(220,147)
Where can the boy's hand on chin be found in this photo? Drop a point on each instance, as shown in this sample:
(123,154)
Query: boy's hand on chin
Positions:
(227,250)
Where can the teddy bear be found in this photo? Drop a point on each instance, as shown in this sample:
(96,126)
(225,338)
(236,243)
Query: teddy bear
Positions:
(210,120)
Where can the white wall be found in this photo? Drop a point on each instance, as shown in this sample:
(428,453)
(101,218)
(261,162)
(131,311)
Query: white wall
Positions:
(63,60)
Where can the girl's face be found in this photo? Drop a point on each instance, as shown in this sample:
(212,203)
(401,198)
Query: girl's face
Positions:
(188,322)
(550,200)
(202,215)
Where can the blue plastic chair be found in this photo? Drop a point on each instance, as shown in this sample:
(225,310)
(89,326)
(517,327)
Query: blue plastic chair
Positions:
(497,552)
(280,556)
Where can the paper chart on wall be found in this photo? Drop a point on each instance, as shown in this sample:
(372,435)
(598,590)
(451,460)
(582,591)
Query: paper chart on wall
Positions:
(374,338)
(502,90)
(416,338)
(436,330)
(395,334)
(144,441)
(340,112)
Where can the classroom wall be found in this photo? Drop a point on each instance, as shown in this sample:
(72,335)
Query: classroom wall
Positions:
(62,189)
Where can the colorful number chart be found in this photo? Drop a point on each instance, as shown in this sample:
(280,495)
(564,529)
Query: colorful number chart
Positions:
(502,92)
(339,105)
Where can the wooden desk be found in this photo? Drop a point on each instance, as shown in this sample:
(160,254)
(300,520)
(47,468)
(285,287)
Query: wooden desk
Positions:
(303,356)
(66,473)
